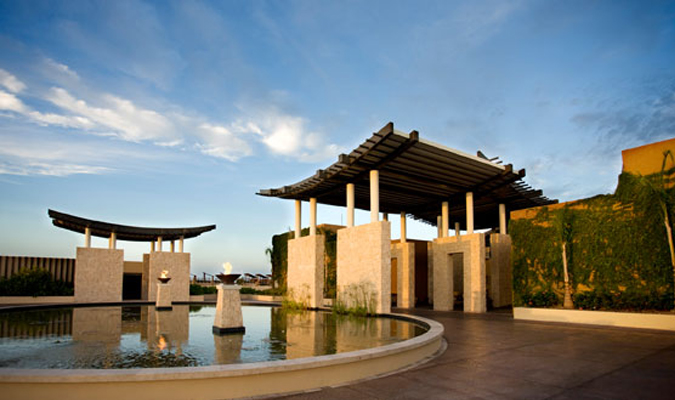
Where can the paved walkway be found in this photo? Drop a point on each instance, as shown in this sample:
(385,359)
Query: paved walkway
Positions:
(494,357)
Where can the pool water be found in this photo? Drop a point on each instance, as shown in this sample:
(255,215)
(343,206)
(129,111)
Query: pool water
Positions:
(141,337)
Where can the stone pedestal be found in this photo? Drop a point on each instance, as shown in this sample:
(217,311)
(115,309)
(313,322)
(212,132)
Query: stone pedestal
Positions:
(163,296)
(228,311)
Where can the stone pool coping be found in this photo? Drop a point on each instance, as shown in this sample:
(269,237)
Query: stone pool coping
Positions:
(225,381)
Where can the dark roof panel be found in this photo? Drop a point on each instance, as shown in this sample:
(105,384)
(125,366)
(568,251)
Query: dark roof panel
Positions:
(124,232)
(416,176)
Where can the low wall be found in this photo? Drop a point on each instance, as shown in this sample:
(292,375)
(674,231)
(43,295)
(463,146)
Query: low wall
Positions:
(619,319)
(36,300)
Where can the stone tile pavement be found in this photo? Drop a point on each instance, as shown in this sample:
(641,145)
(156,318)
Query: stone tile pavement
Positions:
(492,356)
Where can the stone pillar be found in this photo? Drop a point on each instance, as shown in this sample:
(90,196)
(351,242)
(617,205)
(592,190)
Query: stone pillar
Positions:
(385,217)
(180,244)
(112,242)
(404,253)
(457,229)
(364,272)
(178,267)
(404,231)
(152,246)
(469,213)
(439,226)
(298,219)
(173,246)
(163,296)
(87,237)
(350,205)
(228,311)
(374,195)
(98,275)
(502,219)
(306,270)
(159,244)
(312,216)
(445,222)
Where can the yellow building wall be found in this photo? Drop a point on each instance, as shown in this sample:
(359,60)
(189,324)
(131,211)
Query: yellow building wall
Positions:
(647,159)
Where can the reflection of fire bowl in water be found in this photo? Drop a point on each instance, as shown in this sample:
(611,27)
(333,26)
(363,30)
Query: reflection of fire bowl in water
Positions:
(228,279)
(164,279)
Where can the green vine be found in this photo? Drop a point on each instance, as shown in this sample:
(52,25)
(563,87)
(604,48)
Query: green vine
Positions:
(617,251)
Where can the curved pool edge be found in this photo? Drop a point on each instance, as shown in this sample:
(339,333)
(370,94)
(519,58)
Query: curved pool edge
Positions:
(225,381)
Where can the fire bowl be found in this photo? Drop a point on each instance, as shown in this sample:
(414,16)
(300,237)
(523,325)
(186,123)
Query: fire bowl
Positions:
(228,279)
(164,280)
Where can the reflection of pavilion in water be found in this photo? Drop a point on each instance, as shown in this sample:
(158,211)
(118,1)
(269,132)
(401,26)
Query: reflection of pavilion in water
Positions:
(315,333)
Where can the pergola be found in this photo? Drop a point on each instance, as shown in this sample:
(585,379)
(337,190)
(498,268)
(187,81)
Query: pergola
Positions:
(395,172)
(416,177)
(115,232)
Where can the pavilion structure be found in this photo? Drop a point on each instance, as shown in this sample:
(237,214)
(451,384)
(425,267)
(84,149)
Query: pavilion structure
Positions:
(101,273)
(397,173)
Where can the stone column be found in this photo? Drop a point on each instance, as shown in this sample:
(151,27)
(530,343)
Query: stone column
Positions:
(502,219)
(385,217)
(445,222)
(159,244)
(404,231)
(350,205)
(112,242)
(152,246)
(87,237)
(298,219)
(173,246)
(180,244)
(439,225)
(469,213)
(312,216)
(457,229)
(374,195)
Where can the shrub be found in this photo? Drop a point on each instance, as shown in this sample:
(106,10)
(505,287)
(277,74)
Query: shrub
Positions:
(196,290)
(540,299)
(34,282)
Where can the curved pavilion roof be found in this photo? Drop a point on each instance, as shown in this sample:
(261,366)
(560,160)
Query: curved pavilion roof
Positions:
(124,232)
(416,176)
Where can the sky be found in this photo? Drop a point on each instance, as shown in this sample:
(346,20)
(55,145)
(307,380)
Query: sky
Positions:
(175,113)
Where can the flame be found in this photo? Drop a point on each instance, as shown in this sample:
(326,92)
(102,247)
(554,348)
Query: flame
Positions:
(162,342)
(164,274)
(227,267)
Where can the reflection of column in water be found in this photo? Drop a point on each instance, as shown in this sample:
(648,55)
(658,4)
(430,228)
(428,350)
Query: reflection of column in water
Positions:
(171,328)
(304,334)
(228,347)
(353,333)
(277,331)
(97,325)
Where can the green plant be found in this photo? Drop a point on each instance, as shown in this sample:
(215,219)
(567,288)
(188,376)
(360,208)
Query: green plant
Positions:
(196,290)
(295,301)
(266,292)
(356,299)
(34,282)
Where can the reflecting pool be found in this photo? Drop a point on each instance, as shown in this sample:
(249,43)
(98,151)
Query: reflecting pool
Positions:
(141,337)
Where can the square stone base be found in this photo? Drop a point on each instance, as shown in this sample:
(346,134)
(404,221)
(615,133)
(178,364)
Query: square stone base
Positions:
(98,275)
(306,269)
(364,266)
(472,251)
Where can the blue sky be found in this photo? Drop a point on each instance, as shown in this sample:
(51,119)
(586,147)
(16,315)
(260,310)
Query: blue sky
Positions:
(175,113)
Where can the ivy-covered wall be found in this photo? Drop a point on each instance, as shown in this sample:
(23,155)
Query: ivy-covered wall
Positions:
(279,258)
(617,249)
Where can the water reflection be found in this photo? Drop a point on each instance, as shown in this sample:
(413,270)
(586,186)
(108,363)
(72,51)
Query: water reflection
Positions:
(142,337)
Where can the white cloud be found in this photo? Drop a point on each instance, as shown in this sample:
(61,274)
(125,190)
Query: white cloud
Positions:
(10,82)
(121,116)
(61,68)
(48,169)
(219,141)
(9,102)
